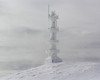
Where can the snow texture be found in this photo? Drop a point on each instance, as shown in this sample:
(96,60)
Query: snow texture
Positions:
(59,71)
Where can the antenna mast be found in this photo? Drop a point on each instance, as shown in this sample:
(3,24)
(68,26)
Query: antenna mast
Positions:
(48,11)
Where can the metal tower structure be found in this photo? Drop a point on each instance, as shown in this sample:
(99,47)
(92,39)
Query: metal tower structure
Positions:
(53,51)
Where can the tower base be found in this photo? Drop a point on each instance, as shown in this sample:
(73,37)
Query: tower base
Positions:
(54,59)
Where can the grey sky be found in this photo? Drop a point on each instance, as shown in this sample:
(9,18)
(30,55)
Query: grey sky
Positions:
(24,31)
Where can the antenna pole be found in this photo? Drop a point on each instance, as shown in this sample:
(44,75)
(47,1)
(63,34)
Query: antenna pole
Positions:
(48,10)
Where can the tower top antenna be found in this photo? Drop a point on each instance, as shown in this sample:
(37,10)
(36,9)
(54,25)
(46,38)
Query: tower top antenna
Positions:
(48,10)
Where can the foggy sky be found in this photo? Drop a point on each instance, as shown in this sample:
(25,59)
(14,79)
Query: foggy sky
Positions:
(24,31)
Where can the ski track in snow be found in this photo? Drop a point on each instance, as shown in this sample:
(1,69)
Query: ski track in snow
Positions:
(59,71)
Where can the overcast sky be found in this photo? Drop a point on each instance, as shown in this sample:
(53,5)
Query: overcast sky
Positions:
(24,34)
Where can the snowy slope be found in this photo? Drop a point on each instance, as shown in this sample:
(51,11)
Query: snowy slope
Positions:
(59,71)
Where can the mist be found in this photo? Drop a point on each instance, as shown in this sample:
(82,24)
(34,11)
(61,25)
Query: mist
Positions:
(24,34)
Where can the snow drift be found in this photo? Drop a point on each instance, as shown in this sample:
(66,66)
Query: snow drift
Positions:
(59,71)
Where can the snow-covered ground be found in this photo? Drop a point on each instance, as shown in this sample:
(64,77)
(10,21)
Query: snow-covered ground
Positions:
(59,71)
